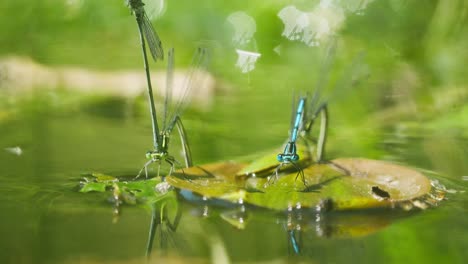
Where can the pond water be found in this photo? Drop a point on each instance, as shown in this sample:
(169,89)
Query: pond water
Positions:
(409,107)
(45,219)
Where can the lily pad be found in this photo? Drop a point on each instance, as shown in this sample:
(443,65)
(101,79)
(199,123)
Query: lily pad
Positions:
(211,180)
(401,183)
(342,184)
(97,183)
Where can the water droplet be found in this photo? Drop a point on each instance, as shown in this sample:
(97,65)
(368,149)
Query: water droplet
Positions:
(406,206)
(162,187)
(205,210)
(420,204)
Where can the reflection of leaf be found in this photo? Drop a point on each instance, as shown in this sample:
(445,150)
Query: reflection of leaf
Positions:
(342,184)
(309,225)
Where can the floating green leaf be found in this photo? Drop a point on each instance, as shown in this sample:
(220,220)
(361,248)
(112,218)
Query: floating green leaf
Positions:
(341,184)
(211,180)
(131,192)
(100,177)
(93,187)
(401,183)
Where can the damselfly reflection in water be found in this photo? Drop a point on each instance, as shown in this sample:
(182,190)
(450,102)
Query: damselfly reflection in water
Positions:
(172,112)
(165,219)
(294,241)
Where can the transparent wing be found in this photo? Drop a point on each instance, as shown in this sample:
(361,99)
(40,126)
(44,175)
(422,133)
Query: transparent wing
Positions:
(160,233)
(169,85)
(326,64)
(352,75)
(152,38)
(195,76)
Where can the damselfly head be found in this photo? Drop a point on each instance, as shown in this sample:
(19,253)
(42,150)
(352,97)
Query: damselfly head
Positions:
(156,155)
(289,153)
(295,157)
(149,154)
(280,158)
(287,158)
(134,4)
(291,158)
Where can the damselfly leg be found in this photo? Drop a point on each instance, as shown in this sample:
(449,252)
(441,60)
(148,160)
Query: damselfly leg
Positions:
(322,110)
(300,172)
